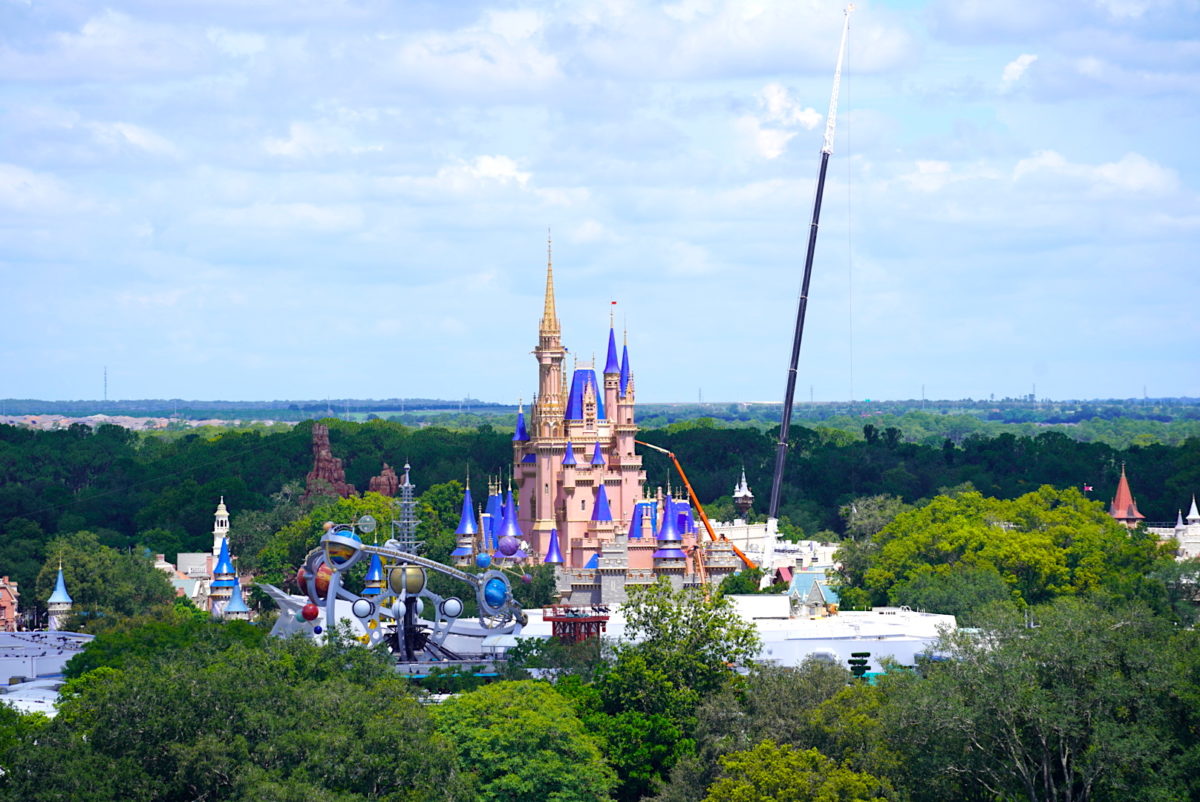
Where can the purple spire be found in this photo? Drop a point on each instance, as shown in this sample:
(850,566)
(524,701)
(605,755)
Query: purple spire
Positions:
(224,567)
(466,521)
(553,553)
(580,381)
(635,521)
(521,435)
(625,370)
(494,516)
(611,366)
(569,457)
(601,511)
(597,455)
(510,525)
(668,530)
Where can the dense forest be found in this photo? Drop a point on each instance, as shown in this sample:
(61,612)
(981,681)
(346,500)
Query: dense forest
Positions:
(1076,679)
(138,492)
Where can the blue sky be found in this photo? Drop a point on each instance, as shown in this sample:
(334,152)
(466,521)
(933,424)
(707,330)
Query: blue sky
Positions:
(309,199)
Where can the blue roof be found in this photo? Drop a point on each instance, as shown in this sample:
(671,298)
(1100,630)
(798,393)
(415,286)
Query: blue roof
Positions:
(601,511)
(493,517)
(569,457)
(624,370)
(668,531)
(224,564)
(509,527)
(466,521)
(669,554)
(594,562)
(583,378)
(521,434)
(236,604)
(60,595)
(643,519)
(529,458)
(597,455)
(802,581)
(553,552)
(374,569)
(685,523)
(461,551)
(635,521)
(611,366)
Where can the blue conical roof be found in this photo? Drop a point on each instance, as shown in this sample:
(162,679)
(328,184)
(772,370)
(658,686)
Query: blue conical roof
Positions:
(494,517)
(597,455)
(593,563)
(521,434)
(553,553)
(466,521)
(374,574)
(611,365)
(60,595)
(224,567)
(625,370)
(569,457)
(601,511)
(635,521)
(668,530)
(236,603)
(509,527)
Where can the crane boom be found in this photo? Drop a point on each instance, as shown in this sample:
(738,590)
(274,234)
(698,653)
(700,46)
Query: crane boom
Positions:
(789,397)
(696,502)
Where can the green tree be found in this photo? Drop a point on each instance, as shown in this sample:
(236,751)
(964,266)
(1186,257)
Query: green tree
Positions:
(773,773)
(522,740)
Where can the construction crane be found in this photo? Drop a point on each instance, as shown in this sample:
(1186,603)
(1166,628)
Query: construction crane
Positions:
(789,397)
(697,506)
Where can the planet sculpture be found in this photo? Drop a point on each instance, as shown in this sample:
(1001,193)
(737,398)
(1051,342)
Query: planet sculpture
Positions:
(508,545)
(310,611)
(483,559)
(495,591)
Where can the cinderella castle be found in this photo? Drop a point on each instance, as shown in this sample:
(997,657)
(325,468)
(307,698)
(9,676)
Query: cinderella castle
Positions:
(581,500)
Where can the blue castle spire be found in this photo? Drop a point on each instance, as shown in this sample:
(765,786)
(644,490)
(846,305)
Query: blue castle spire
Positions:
(510,526)
(597,455)
(611,365)
(236,603)
(60,595)
(224,568)
(521,435)
(494,517)
(625,374)
(466,521)
(668,535)
(374,575)
(601,511)
(569,457)
(553,552)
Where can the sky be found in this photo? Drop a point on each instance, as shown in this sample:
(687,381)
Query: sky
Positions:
(306,199)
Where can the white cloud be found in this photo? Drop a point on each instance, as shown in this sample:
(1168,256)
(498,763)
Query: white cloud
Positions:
(464,176)
(23,190)
(308,140)
(119,135)
(286,216)
(237,44)
(779,119)
(1015,69)
(1132,173)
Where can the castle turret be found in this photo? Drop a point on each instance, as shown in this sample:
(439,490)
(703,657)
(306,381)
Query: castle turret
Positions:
(1193,516)
(375,581)
(554,553)
(743,499)
(669,559)
(59,603)
(220,590)
(220,526)
(1123,507)
(236,607)
(612,373)
(467,532)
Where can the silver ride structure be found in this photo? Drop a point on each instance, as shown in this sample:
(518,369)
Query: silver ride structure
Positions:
(396,607)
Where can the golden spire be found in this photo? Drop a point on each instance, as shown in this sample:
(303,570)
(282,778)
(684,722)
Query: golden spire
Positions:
(549,314)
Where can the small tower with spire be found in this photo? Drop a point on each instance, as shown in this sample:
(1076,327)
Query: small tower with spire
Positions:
(224,580)
(669,558)
(235,608)
(467,532)
(220,526)
(1123,507)
(59,603)
(743,499)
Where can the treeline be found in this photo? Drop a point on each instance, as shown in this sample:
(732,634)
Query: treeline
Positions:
(148,492)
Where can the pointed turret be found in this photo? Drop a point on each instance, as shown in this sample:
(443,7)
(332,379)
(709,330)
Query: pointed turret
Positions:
(668,535)
(1123,507)
(494,516)
(743,499)
(611,365)
(59,603)
(569,457)
(466,520)
(236,607)
(510,527)
(1193,516)
(597,455)
(601,510)
(224,568)
(549,322)
(625,371)
(553,552)
(1179,520)
(374,581)
(220,525)
(521,435)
